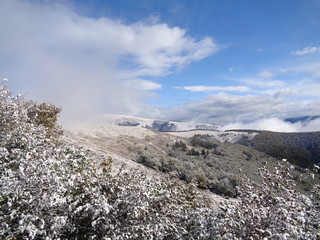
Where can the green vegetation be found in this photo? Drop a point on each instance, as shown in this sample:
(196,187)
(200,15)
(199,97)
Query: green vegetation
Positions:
(301,149)
(213,165)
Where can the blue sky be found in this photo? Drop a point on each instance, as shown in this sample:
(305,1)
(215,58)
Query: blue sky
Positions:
(214,61)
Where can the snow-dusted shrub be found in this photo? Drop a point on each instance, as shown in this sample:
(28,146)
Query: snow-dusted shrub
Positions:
(145,208)
(37,172)
(50,189)
(274,211)
(44,114)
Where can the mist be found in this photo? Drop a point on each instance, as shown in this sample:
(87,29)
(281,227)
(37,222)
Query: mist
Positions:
(89,66)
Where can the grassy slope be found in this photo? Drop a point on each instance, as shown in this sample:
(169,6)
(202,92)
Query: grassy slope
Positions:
(301,149)
(220,170)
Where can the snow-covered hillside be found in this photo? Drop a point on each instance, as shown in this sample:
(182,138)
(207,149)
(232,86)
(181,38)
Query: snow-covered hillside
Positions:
(55,186)
(158,124)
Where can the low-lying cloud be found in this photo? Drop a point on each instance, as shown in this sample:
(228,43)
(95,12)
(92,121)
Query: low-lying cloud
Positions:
(276,125)
(215,88)
(225,108)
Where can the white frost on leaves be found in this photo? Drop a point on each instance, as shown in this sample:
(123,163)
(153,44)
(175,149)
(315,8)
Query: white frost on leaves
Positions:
(276,211)
(50,189)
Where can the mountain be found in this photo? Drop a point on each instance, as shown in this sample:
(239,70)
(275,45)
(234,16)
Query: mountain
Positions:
(158,124)
(304,119)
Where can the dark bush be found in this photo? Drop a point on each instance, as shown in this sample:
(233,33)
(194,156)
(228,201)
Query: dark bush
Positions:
(147,161)
(226,186)
(180,144)
(204,141)
(193,152)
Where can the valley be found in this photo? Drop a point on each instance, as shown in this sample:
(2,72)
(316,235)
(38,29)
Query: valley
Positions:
(215,161)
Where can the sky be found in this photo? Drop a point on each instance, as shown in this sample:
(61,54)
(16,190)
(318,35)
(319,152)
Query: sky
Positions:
(248,63)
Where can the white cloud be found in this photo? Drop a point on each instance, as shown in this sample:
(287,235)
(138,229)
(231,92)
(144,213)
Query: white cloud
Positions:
(266,74)
(215,88)
(269,124)
(143,84)
(294,92)
(312,126)
(276,125)
(52,53)
(234,69)
(84,65)
(303,80)
(298,80)
(262,83)
(286,92)
(306,51)
(226,108)
(312,70)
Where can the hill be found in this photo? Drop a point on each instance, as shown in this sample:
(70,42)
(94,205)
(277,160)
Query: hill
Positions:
(301,149)
(51,187)
(210,159)
(158,124)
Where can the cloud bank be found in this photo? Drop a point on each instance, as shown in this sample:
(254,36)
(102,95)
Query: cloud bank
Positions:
(275,125)
(215,88)
(87,65)
(225,108)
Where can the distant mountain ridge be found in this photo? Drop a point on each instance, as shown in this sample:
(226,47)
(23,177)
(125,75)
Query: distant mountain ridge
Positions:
(303,119)
(301,148)
(159,125)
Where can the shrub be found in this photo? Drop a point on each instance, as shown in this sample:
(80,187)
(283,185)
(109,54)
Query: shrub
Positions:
(226,186)
(204,141)
(50,189)
(180,144)
(247,154)
(193,152)
(274,211)
(44,114)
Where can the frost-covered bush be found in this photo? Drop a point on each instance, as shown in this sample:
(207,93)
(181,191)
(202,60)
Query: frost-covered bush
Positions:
(50,189)
(44,114)
(274,211)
